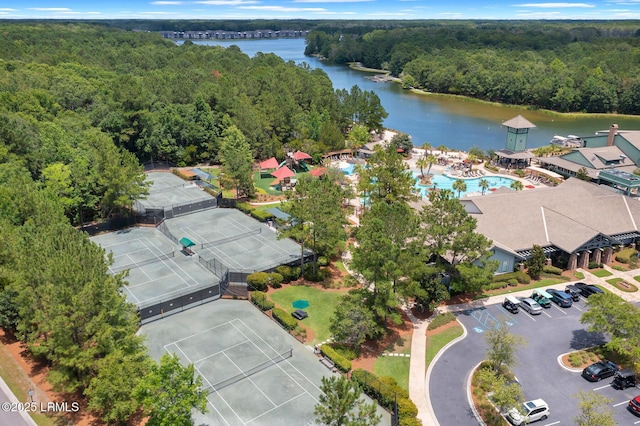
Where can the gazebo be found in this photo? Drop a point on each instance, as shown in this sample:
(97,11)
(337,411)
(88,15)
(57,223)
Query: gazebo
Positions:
(269,164)
(299,155)
(283,174)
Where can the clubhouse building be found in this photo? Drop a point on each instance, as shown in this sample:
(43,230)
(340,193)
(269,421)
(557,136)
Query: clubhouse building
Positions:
(575,223)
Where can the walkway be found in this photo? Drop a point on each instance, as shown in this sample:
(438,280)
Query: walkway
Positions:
(418,379)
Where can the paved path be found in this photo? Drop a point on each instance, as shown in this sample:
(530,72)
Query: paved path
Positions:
(418,378)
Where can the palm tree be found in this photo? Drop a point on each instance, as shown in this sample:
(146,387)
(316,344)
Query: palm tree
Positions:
(460,186)
(442,148)
(516,185)
(484,185)
(422,162)
(430,160)
(427,148)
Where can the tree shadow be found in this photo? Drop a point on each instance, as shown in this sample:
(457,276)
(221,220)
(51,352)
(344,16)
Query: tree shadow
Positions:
(582,339)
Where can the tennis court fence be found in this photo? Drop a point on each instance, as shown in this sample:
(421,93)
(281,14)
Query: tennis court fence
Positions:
(231,238)
(250,372)
(214,265)
(162,227)
(149,261)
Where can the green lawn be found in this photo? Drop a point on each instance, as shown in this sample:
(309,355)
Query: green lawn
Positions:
(578,275)
(601,273)
(439,341)
(616,283)
(321,307)
(534,284)
(265,184)
(394,366)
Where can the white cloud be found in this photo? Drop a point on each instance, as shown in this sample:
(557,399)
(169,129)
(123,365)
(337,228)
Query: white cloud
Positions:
(6,9)
(167,3)
(554,5)
(283,8)
(225,2)
(51,9)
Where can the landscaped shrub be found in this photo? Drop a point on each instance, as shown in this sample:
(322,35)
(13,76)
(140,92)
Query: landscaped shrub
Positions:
(258,281)
(512,282)
(323,261)
(490,167)
(441,320)
(595,265)
(340,362)
(260,299)
(261,215)
(320,275)
(275,280)
(496,286)
(348,352)
(624,255)
(618,268)
(521,276)
(284,318)
(244,207)
(519,172)
(552,270)
(286,273)
(386,391)
(178,173)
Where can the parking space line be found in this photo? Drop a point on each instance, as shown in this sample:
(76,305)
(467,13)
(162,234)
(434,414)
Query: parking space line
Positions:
(510,316)
(547,314)
(620,403)
(529,315)
(602,387)
(560,309)
(554,423)
(577,307)
(635,423)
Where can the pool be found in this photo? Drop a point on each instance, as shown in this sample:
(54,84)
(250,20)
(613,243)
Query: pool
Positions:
(473,185)
(347,168)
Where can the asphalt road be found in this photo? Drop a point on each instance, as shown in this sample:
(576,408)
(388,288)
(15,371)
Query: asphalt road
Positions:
(556,331)
(8,415)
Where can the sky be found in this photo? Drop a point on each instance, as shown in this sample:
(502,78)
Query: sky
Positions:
(317,9)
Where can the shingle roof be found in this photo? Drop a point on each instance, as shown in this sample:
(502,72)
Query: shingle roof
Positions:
(566,216)
(519,122)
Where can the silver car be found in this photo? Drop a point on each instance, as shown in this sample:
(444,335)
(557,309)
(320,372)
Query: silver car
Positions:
(530,305)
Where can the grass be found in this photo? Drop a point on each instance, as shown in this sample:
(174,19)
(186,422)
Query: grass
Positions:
(438,341)
(340,266)
(394,366)
(19,383)
(579,275)
(321,307)
(616,282)
(637,278)
(601,273)
(265,184)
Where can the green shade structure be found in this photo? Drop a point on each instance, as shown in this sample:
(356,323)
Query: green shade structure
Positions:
(186,243)
(300,304)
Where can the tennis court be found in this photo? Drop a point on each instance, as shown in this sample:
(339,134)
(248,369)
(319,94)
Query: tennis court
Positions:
(232,346)
(237,240)
(168,190)
(158,271)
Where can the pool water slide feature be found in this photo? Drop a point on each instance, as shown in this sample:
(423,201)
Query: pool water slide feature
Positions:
(304,166)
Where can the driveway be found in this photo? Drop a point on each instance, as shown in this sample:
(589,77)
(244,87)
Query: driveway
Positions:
(556,331)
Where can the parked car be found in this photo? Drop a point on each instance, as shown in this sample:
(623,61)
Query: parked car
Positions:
(573,291)
(530,305)
(541,299)
(600,370)
(587,290)
(510,303)
(299,314)
(530,411)
(625,378)
(560,298)
(634,405)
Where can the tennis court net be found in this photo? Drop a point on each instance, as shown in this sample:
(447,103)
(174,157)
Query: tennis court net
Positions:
(250,372)
(231,238)
(155,259)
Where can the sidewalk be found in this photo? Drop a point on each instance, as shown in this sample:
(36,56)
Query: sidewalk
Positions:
(418,378)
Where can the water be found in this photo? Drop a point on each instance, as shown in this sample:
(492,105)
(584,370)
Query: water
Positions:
(473,185)
(457,123)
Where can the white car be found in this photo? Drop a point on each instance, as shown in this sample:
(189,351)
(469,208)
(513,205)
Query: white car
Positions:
(530,305)
(530,411)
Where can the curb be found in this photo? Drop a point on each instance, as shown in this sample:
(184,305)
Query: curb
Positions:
(12,398)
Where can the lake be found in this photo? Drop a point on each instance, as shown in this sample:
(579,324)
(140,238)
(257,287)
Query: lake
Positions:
(455,122)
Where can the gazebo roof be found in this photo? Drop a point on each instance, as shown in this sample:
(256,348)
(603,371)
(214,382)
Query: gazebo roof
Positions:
(271,163)
(299,155)
(283,172)
(519,122)
(318,172)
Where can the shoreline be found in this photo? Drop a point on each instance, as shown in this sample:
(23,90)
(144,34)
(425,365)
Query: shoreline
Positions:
(569,115)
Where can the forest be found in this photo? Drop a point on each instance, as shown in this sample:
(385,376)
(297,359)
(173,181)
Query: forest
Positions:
(580,66)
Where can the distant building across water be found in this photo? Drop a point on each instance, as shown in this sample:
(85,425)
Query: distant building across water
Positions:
(231,35)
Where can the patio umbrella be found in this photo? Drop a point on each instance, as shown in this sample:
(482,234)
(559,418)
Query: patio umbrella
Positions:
(300,304)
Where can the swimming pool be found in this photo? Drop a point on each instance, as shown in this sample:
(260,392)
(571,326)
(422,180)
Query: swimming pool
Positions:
(347,168)
(473,185)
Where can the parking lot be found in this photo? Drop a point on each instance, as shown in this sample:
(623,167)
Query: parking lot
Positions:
(549,335)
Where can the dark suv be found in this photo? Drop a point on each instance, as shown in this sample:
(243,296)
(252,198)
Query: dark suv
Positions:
(600,370)
(587,289)
(573,291)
